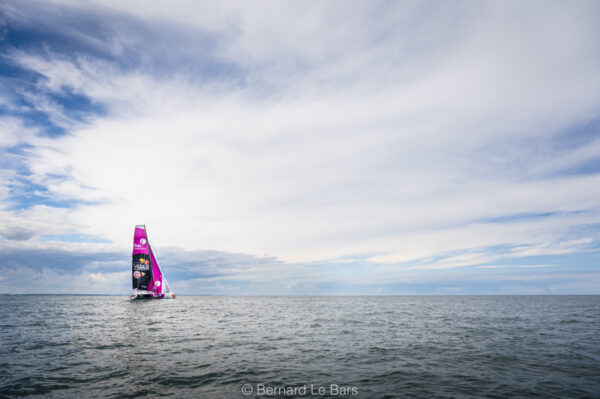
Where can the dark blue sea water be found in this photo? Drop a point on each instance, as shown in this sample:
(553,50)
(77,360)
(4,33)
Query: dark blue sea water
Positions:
(367,347)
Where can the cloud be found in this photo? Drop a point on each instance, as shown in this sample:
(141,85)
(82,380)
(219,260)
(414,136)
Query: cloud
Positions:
(408,136)
(96,268)
(512,266)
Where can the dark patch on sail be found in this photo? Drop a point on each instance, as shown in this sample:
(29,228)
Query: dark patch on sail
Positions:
(141,271)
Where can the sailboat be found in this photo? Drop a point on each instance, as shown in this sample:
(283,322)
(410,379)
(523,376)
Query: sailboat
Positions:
(147,277)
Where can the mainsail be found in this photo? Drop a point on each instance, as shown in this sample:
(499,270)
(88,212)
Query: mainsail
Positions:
(147,277)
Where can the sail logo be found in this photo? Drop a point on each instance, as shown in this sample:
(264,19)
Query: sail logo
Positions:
(143,241)
(141,266)
(157,283)
(137,274)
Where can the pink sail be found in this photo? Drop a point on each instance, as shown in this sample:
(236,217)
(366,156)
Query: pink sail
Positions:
(156,273)
(147,277)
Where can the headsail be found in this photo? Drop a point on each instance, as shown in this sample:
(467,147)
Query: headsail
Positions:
(157,277)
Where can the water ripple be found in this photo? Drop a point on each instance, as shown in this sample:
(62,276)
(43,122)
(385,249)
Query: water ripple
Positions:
(417,347)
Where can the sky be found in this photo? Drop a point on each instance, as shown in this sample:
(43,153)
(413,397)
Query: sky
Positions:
(292,148)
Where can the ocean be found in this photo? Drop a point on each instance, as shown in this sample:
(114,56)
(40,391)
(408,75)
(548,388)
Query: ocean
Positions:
(304,346)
